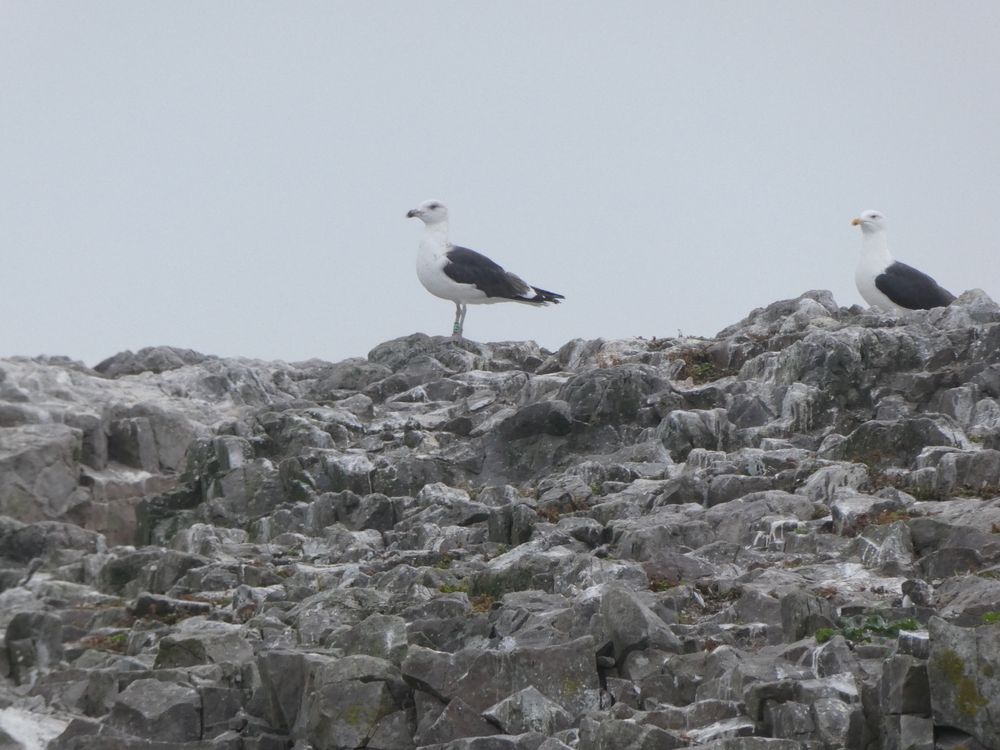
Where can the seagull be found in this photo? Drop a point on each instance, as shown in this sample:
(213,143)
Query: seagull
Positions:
(886,283)
(462,275)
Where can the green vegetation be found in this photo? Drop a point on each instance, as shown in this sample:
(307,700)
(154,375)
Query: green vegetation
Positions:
(871,625)
(824,634)
(659,585)
(991,618)
(445,562)
(968,701)
(700,367)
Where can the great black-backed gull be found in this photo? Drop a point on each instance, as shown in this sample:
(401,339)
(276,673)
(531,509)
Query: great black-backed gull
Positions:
(886,283)
(462,275)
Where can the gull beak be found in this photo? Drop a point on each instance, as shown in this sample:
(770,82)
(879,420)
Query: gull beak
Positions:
(856,222)
(412,212)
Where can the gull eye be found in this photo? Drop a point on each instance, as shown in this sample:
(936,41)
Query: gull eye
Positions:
(434,206)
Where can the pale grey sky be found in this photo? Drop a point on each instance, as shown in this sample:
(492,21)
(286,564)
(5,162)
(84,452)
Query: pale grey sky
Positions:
(232,176)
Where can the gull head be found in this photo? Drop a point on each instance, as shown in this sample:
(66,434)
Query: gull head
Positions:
(870,222)
(429,212)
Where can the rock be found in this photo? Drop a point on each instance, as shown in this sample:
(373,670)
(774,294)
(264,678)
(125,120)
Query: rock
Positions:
(34,641)
(151,359)
(964,676)
(897,442)
(612,733)
(346,699)
(203,642)
(682,431)
(632,625)
(38,470)
(528,710)
(803,615)
(457,721)
(785,536)
(565,673)
(382,636)
(153,709)
(541,418)
(904,686)
(610,395)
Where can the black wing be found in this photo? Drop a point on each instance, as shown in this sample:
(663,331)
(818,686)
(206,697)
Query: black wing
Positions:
(912,289)
(469,267)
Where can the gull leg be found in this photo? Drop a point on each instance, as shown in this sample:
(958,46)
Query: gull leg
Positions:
(456,330)
(461,325)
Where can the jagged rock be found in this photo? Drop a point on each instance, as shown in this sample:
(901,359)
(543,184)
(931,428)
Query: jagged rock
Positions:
(154,709)
(283,674)
(540,418)
(563,672)
(898,442)
(632,625)
(683,431)
(529,710)
(904,686)
(346,699)
(456,721)
(203,642)
(33,641)
(964,675)
(38,474)
(382,636)
(610,395)
(151,359)
(908,732)
(24,542)
(635,543)
(803,614)
(613,733)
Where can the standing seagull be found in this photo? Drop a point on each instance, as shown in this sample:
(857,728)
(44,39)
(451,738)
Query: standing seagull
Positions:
(462,275)
(886,283)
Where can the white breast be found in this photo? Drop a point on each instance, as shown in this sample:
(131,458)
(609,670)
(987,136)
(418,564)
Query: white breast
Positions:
(431,261)
(864,278)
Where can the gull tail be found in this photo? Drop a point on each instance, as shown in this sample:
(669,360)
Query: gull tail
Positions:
(543,297)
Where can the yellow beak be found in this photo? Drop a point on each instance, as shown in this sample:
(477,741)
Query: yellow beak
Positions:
(856,222)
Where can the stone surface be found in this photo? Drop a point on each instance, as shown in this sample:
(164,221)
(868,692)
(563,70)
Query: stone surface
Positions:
(964,675)
(784,536)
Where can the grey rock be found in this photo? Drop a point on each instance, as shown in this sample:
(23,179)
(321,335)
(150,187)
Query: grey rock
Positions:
(682,431)
(565,673)
(346,699)
(633,625)
(540,418)
(34,642)
(610,395)
(964,675)
(613,733)
(852,512)
(38,470)
(154,709)
(283,676)
(897,442)
(528,710)
(904,686)
(908,732)
(24,542)
(977,471)
(382,636)
(203,643)
(803,614)
(456,721)
(154,359)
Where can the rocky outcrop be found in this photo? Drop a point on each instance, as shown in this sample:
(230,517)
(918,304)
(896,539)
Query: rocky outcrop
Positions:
(787,536)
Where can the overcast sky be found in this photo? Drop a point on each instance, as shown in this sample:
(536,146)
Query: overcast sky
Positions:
(232,177)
